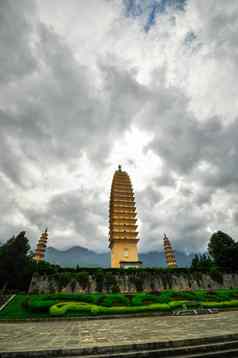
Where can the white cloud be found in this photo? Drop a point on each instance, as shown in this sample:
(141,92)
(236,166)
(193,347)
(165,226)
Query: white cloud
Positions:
(84,88)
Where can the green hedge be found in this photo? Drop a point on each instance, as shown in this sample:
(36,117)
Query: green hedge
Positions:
(115,299)
(82,297)
(62,309)
(42,303)
(35,306)
(140,299)
(224,304)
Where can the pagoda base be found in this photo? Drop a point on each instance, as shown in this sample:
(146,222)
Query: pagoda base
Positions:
(130,264)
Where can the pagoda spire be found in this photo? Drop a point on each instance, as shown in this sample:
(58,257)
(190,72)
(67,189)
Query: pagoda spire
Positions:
(41,247)
(169,253)
(123,234)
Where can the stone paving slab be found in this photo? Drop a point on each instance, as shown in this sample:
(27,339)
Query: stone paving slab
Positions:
(30,336)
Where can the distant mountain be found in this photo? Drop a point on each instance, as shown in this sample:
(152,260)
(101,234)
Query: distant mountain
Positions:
(77,255)
(83,257)
(157,259)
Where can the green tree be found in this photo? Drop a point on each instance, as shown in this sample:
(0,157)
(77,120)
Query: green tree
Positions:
(202,262)
(224,251)
(16,263)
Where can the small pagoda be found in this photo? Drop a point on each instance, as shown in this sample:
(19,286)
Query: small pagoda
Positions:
(123,234)
(41,247)
(169,253)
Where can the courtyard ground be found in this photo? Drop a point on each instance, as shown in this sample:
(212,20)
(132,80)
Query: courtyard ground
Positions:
(29,336)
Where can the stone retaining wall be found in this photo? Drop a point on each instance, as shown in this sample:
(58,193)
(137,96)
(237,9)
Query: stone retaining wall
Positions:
(130,282)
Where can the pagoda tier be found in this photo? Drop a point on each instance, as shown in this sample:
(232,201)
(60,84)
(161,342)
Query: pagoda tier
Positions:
(41,247)
(125,199)
(119,211)
(120,220)
(123,226)
(123,193)
(123,234)
(169,253)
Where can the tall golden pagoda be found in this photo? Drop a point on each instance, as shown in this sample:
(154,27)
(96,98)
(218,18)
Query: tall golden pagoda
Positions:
(123,235)
(41,246)
(169,253)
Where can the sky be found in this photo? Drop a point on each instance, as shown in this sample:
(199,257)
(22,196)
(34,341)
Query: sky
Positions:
(148,84)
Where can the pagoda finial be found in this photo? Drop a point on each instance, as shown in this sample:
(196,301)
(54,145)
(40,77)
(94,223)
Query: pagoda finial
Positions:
(119,168)
(165,237)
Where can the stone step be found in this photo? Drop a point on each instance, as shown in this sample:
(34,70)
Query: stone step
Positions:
(230,353)
(228,349)
(220,346)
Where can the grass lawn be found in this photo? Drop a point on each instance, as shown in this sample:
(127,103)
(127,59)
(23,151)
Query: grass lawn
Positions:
(15,310)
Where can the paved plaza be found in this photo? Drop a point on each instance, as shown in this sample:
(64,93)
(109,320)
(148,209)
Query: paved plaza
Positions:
(88,333)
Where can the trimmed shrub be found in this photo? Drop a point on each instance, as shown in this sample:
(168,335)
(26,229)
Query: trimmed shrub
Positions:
(82,297)
(114,299)
(193,304)
(183,295)
(234,293)
(177,304)
(138,309)
(224,304)
(140,299)
(200,295)
(222,296)
(60,309)
(165,296)
(36,305)
(80,308)
(42,303)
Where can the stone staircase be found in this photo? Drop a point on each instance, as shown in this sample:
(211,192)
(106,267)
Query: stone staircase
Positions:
(219,346)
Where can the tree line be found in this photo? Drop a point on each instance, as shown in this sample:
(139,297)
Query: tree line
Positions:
(222,254)
(17,265)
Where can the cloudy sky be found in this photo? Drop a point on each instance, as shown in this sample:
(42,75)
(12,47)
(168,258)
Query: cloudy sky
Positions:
(148,84)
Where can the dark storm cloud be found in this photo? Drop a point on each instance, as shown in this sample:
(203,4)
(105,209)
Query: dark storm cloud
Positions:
(235,217)
(148,197)
(16,56)
(204,154)
(184,142)
(166,178)
(60,116)
(79,211)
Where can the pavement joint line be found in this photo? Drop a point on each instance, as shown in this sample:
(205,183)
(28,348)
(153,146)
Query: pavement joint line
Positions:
(7,302)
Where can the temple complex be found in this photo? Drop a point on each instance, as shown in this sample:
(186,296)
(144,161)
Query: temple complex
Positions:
(123,235)
(169,253)
(41,247)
